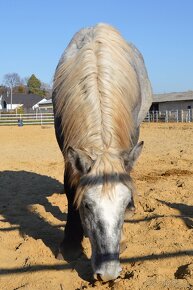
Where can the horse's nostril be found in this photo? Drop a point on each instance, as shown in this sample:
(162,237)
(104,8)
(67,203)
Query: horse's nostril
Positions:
(98,277)
(108,275)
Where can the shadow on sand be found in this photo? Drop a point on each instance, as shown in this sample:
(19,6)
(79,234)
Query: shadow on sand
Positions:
(20,190)
(185,214)
(83,266)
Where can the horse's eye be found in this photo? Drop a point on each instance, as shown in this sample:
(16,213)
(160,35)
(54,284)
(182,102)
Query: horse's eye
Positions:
(86,206)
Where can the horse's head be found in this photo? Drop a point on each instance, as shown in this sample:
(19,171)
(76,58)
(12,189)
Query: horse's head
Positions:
(102,201)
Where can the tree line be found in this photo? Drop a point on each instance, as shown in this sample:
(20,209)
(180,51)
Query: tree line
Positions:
(31,85)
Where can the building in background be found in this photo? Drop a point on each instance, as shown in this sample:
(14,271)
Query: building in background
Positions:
(44,106)
(19,101)
(172,101)
(172,107)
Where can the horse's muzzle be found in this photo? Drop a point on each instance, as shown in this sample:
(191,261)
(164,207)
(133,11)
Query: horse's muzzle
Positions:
(108,268)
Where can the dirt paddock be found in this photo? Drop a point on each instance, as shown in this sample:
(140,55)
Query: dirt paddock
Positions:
(159,252)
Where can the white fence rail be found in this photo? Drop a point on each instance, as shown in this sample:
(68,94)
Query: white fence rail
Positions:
(48,118)
(26,119)
(170,116)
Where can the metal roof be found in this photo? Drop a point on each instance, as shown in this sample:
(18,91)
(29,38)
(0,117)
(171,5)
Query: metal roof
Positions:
(28,100)
(47,102)
(170,97)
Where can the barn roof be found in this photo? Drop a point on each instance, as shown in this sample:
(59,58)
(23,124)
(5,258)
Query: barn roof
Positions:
(46,102)
(28,100)
(170,97)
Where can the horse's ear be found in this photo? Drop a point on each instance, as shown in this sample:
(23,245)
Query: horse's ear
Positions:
(80,160)
(130,157)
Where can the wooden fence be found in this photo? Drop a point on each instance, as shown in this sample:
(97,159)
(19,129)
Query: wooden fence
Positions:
(26,119)
(48,118)
(170,116)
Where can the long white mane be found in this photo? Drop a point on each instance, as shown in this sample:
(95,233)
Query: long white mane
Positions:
(102,91)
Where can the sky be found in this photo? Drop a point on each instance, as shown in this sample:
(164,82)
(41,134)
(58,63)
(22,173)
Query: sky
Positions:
(34,34)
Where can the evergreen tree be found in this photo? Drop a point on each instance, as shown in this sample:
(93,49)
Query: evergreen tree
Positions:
(34,86)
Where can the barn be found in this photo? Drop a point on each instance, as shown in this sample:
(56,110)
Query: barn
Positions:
(45,105)
(172,101)
(26,101)
(172,107)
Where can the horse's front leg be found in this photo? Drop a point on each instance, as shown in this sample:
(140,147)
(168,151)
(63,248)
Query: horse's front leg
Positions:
(71,247)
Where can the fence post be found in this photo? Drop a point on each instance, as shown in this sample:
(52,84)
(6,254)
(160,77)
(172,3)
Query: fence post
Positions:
(182,116)
(156,116)
(148,118)
(166,118)
(41,120)
(177,117)
(188,115)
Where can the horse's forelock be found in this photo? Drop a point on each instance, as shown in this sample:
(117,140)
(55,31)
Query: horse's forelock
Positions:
(108,172)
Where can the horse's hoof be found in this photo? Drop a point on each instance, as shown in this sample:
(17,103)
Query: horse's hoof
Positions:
(69,253)
(59,256)
(123,247)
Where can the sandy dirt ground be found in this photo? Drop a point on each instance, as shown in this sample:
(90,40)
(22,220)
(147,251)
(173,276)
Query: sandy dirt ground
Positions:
(159,252)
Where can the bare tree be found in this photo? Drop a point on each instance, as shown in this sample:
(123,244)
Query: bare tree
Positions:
(45,86)
(24,81)
(11,80)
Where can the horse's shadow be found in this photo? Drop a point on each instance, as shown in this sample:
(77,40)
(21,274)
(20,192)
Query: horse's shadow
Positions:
(186,212)
(19,191)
